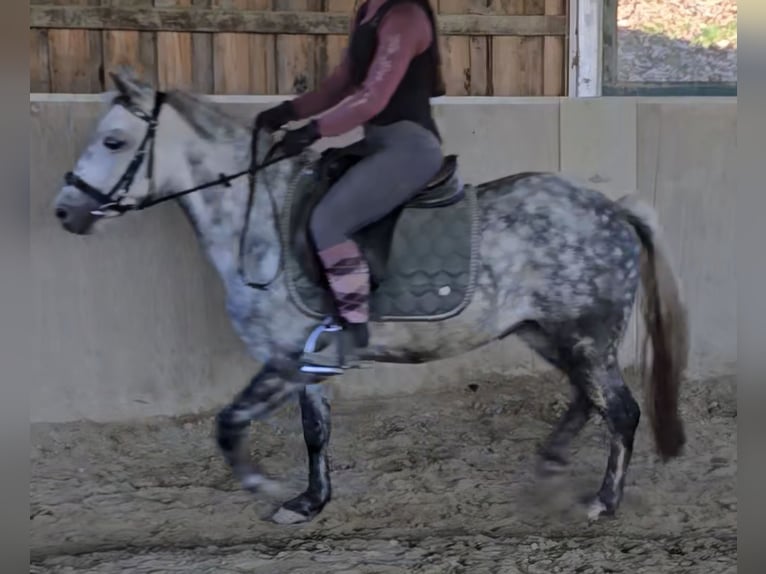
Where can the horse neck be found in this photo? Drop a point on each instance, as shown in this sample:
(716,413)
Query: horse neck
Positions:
(218,214)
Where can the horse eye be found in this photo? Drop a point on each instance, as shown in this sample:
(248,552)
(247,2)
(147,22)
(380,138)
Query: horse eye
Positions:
(113,143)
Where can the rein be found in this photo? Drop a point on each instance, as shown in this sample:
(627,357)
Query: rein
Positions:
(110,204)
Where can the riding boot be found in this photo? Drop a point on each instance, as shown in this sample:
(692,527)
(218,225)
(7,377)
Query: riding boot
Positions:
(348,276)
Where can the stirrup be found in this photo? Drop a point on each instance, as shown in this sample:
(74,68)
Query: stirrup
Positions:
(328,325)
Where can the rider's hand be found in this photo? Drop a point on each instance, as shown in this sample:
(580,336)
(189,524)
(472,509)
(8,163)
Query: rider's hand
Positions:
(295,141)
(275,117)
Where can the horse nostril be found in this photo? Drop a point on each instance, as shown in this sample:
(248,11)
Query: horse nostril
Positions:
(61,213)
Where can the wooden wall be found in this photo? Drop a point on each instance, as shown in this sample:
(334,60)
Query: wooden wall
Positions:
(489,47)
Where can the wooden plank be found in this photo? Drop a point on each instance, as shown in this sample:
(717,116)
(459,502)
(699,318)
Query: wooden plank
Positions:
(335,44)
(517,62)
(231,56)
(554,68)
(297,70)
(455,53)
(532,49)
(465,58)
(129,47)
(479,66)
(203,77)
(174,53)
(507,54)
(244,63)
(263,58)
(76,56)
(39,62)
(308,22)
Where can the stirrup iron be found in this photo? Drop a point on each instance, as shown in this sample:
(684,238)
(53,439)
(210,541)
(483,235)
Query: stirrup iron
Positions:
(328,325)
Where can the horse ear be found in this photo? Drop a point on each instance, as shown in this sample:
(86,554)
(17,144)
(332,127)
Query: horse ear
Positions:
(129,85)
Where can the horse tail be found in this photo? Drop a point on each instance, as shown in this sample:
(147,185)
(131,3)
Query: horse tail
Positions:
(666,321)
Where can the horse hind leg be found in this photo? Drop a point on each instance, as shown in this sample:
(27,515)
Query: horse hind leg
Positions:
(602,381)
(598,384)
(613,399)
(552,454)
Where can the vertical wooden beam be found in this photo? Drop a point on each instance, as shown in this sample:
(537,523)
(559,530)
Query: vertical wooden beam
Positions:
(585,48)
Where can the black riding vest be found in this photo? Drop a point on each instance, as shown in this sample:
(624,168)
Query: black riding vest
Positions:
(421,81)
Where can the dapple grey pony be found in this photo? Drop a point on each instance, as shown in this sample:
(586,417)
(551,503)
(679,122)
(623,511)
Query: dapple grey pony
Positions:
(558,265)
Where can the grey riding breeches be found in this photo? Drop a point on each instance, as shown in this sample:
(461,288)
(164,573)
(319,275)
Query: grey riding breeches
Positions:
(405,157)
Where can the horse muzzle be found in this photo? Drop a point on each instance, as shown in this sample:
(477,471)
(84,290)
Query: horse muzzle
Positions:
(75,211)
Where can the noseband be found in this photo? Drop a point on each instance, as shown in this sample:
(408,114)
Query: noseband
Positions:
(110,204)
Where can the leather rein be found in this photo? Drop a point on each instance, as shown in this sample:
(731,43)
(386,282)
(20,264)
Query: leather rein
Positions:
(110,204)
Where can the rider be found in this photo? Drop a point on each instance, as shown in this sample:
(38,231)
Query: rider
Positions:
(388,74)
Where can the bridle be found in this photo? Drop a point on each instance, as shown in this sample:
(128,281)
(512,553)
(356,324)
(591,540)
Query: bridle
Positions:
(110,204)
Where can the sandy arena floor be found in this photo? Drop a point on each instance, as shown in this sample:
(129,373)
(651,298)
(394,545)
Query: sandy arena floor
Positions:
(437,484)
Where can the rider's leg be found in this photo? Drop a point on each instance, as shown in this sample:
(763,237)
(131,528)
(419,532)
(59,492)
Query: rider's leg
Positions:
(348,275)
(407,156)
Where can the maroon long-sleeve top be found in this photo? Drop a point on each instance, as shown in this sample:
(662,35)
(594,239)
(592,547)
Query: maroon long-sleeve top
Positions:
(403,33)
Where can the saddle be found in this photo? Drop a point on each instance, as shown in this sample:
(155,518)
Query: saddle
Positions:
(375,239)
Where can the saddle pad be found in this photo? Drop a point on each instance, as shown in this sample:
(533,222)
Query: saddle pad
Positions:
(431,271)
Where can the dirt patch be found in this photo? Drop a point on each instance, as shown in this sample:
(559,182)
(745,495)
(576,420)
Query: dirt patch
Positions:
(442,483)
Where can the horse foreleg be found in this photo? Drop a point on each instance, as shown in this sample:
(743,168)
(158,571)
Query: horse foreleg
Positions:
(315,414)
(266,391)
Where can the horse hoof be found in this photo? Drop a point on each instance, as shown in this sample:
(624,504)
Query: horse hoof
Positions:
(286,516)
(595,508)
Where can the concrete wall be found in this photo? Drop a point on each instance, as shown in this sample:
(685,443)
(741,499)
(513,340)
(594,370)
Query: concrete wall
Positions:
(131,323)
